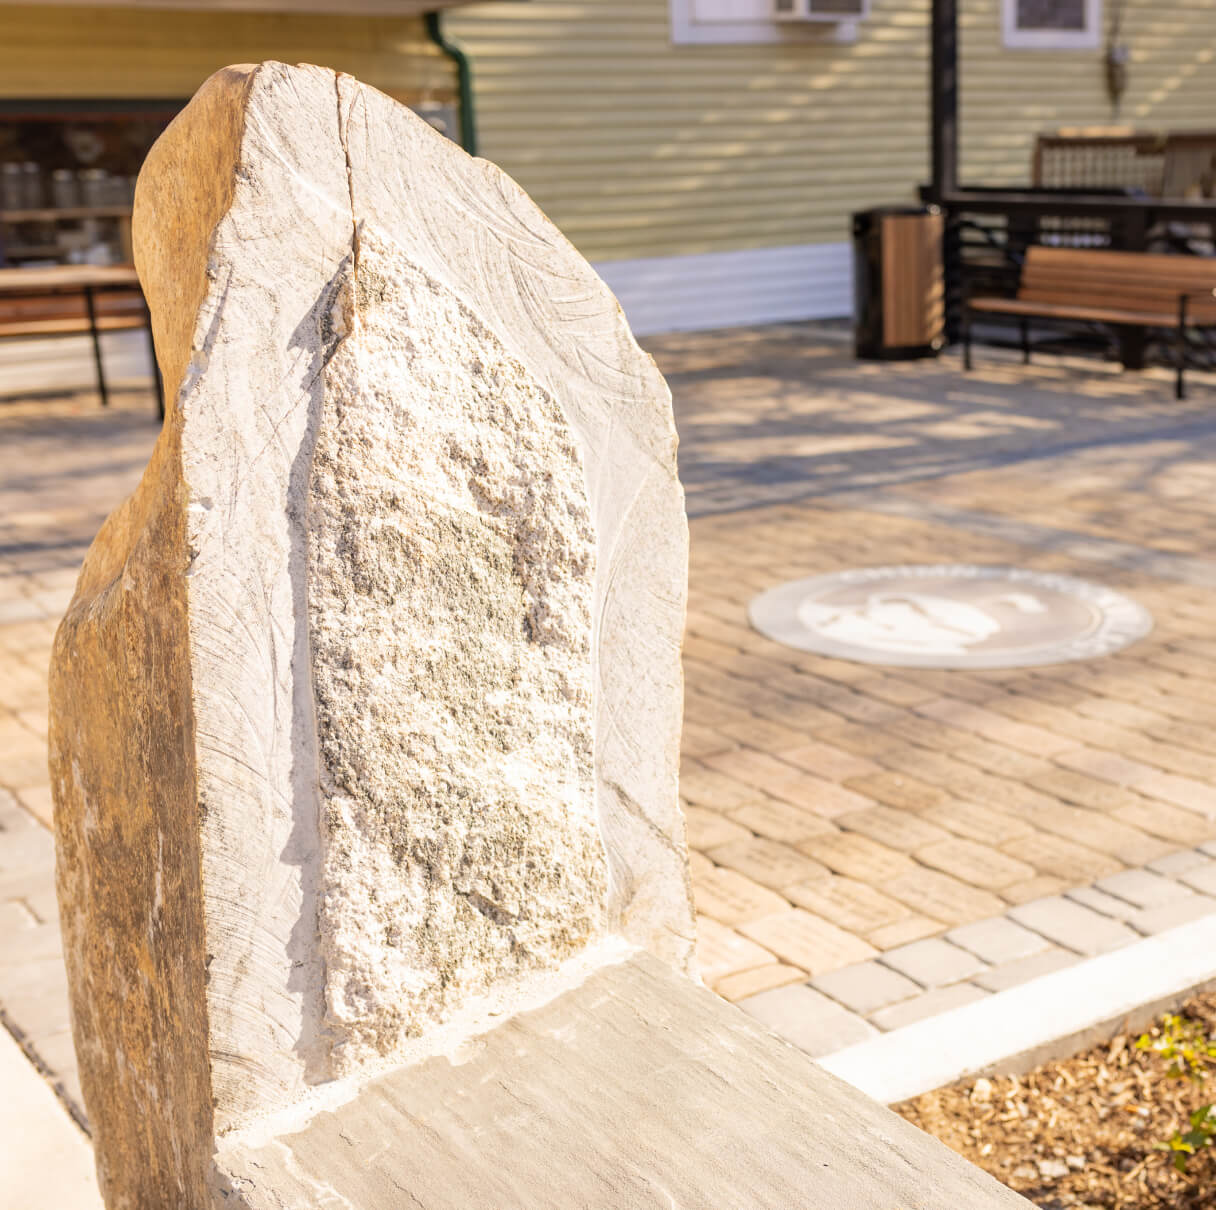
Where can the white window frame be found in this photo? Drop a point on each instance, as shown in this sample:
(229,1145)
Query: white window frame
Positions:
(758,30)
(1016,38)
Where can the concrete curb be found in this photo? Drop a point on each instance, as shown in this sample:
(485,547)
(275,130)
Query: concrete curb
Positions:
(1049,1017)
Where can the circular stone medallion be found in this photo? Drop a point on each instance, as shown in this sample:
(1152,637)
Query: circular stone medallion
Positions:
(950,616)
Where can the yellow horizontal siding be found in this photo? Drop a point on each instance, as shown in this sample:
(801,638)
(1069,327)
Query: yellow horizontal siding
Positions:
(1008,96)
(639,148)
(636,148)
(48,51)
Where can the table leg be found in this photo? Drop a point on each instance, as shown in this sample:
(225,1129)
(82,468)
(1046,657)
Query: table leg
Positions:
(91,304)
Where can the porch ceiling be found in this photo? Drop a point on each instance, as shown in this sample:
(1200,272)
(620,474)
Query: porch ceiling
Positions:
(364,8)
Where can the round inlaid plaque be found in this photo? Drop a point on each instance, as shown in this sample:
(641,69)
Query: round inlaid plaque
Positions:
(950,616)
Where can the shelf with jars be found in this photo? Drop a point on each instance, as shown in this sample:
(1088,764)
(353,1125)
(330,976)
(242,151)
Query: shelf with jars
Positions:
(67,179)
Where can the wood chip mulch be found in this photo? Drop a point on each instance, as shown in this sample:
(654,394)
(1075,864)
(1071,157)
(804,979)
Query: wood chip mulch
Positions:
(1079,1132)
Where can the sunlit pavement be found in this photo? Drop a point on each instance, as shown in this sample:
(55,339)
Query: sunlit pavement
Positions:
(837,811)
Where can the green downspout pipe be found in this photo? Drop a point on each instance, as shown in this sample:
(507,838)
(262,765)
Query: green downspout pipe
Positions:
(464,80)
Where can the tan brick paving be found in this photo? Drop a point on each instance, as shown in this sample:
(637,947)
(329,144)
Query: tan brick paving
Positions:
(768,862)
(808,941)
(834,809)
(980,790)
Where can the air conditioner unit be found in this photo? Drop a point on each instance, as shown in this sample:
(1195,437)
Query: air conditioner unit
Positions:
(820,10)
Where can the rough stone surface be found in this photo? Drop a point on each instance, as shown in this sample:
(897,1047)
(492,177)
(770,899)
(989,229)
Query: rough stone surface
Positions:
(366,709)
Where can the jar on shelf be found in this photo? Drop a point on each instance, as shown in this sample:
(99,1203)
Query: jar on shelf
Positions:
(12,196)
(65,189)
(93,186)
(31,185)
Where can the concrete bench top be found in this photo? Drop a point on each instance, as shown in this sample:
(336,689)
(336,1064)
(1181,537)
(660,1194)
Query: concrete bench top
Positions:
(638,1088)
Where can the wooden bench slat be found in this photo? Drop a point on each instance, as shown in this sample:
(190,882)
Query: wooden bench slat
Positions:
(1121,280)
(1198,310)
(1017,306)
(1134,264)
(58,327)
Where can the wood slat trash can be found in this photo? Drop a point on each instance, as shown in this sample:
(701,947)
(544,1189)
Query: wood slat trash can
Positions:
(899,289)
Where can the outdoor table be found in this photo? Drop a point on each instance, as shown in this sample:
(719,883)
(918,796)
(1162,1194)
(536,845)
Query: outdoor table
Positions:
(88,281)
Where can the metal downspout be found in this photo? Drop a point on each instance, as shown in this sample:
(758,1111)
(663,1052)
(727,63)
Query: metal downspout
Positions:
(464,81)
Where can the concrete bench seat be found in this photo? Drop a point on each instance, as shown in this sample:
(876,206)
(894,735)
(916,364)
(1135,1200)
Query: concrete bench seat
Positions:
(639,1088)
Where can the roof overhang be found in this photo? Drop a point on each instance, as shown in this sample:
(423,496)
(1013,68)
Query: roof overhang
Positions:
(343,8)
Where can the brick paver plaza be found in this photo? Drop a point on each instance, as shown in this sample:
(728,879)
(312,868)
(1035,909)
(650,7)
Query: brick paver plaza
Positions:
(870,845)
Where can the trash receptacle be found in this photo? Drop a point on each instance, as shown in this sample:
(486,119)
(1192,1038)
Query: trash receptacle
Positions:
(898,285)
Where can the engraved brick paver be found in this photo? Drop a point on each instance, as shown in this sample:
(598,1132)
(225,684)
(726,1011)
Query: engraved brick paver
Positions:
(855,906)
(722,951)
(807,941)
(768,862)
(759,979)
(730,898)
(975,863)
(857,857)
(974,822)
(903,830)
(910,928)
(708,829)
(832,764)
(934,962)
(899,790)
(1062,858)
(780,821)
(1038,887)
(941,897)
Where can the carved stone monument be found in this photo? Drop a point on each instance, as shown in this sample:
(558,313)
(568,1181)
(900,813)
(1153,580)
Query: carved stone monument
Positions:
(365,717)
(366,712)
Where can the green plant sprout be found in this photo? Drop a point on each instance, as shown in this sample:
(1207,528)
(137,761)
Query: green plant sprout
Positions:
(1190,1052)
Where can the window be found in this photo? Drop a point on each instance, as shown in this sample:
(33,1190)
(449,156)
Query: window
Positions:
(1052,24)
(760,21)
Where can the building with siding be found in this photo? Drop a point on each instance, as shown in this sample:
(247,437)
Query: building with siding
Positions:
(710,172)
(703,154)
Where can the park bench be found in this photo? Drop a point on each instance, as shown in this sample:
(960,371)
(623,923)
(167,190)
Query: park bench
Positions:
(75,300)
(1121,289)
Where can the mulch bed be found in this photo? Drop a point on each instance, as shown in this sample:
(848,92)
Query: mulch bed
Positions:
(1079,1132)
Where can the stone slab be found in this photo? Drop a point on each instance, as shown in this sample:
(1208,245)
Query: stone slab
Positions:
(729,1116)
